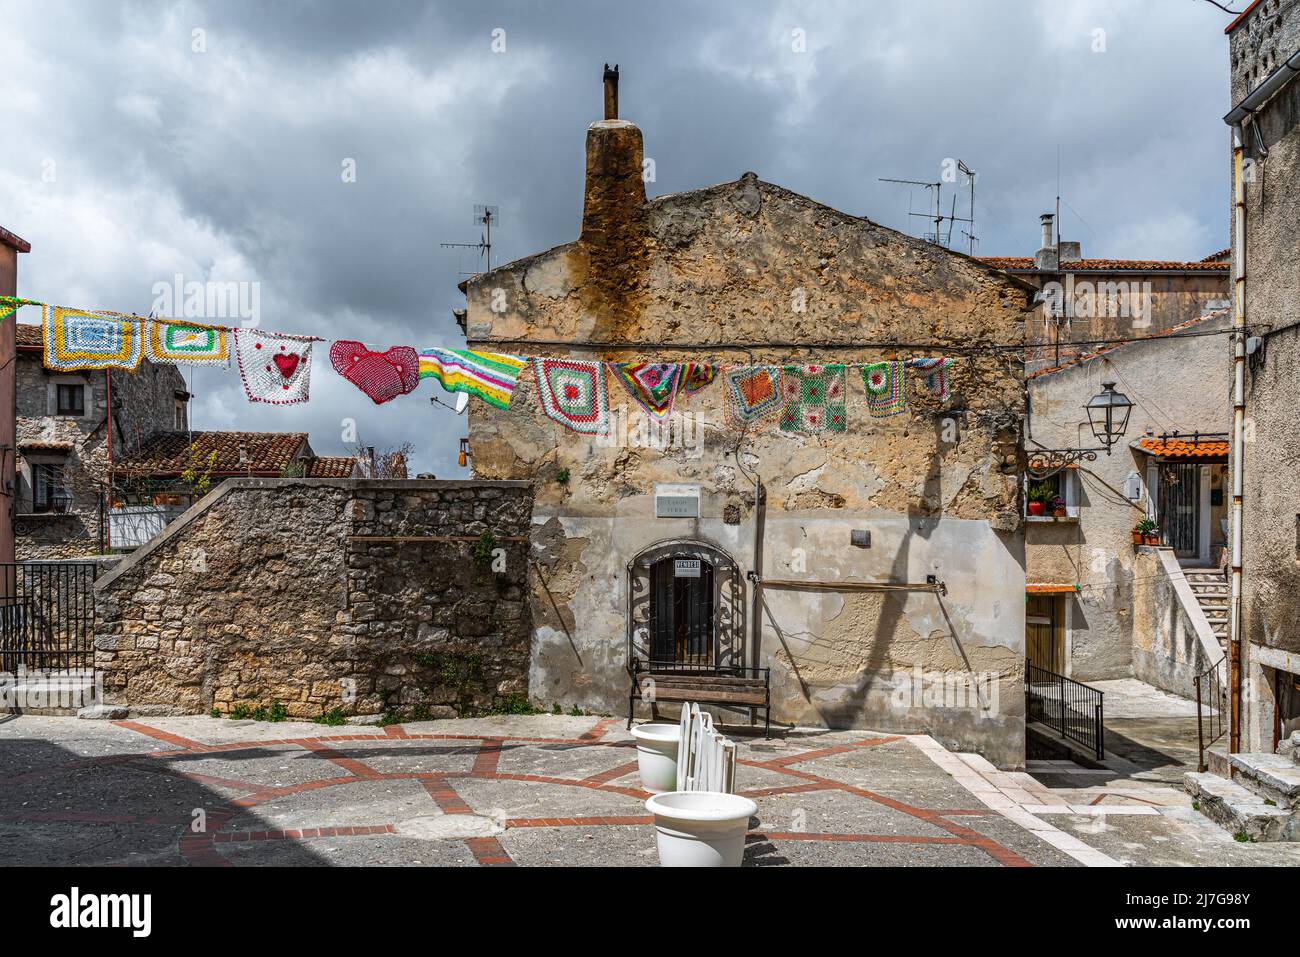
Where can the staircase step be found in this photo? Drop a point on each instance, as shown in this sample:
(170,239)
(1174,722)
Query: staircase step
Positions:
(1272,776)
(1238,810)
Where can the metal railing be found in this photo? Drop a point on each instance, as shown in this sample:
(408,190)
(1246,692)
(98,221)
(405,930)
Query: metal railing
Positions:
(1211,709)
(1071,709)
(47,616)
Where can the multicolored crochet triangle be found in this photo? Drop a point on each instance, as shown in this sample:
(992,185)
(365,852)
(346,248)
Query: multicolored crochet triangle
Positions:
(274,368)
(172,343)
(752,393)
(934,375)
(573,394)
(885,383)
(489,376)
(696,376)
(381,375)
(814,399)
(652,385)
(10,304)
(90,340)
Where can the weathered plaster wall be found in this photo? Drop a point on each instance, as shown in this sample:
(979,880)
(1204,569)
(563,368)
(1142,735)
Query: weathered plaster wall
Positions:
(262,592)
(144,402)
(750,262)
(1271,560)
(1171,646)
(1175,385)
(1174,298)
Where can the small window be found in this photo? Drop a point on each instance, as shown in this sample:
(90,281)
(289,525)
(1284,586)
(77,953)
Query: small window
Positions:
(71,399)
(49,494)
(1055,497)
(179,424)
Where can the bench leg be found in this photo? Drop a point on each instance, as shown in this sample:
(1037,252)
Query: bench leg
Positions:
(767,721)
(631,703)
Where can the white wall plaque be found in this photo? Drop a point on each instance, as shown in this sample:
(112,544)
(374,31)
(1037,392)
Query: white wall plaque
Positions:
(677,501)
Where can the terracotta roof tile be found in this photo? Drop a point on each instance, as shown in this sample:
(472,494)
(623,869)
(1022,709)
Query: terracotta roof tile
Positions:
(331,466)
(168,453)
(28,336)
(1183,449)
(1050,588)
(1110,265)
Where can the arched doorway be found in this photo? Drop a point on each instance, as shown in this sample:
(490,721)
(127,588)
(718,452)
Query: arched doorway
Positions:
(685,608)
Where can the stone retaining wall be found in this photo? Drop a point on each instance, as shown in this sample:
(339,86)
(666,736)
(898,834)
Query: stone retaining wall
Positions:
(368,596)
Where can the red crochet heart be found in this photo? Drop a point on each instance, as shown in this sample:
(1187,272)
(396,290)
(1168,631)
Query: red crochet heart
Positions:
(286,362)
(380,375)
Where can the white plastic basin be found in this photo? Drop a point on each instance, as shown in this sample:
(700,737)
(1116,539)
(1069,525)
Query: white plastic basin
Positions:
(700,828)
(656,755)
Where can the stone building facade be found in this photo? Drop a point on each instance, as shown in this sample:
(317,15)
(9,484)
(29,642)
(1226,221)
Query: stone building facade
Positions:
(1099,606)
(1087,299)
(1263,43)
(368,596)
(64,425)
(746,273)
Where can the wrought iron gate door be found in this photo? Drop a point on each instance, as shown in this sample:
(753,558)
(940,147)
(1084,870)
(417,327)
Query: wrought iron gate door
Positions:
(1180,507)
(682,610)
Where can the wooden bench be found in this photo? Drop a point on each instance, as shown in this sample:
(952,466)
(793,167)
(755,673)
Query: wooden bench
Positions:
(731,687)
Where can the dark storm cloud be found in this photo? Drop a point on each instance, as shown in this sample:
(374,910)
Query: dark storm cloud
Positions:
(226,164)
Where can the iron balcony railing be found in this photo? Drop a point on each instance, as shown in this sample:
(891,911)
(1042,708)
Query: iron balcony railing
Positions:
(1071,709)
(47,616)
(1211,709)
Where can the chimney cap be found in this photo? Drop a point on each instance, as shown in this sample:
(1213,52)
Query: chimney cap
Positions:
(611,92)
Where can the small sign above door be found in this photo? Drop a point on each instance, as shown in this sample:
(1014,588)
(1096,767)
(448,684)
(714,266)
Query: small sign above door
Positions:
(686,568)
(677,501)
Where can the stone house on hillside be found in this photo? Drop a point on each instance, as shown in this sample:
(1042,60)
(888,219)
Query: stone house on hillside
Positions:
(157,481)
(69,423)
(879,573)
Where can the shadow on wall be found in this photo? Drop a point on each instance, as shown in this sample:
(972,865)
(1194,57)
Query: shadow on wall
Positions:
(849,705)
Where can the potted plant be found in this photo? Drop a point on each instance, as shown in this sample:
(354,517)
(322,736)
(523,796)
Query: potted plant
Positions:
(1058,507)
(1040,494)
(1146,532)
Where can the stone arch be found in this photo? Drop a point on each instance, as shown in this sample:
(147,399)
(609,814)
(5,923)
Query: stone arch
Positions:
(647,576)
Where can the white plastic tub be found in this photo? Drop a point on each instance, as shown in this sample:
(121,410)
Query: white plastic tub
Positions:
(700,828)
(656,755)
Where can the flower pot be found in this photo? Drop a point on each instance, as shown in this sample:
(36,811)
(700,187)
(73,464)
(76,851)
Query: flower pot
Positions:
(1037,508)
(656,755)
(1137,538)
(1150,539)
(700,828)
(1058,513)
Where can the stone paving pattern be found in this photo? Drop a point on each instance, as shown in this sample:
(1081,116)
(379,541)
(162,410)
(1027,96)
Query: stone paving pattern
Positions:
(546,790)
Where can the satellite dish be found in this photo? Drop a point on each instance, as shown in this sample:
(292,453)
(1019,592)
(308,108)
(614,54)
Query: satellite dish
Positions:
(462,402)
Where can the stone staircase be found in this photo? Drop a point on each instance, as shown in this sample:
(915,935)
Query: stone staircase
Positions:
(1259,800)
(1211,591)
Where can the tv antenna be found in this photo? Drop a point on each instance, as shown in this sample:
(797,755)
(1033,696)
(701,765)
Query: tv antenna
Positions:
(484,216)
(938,218)
(970,235)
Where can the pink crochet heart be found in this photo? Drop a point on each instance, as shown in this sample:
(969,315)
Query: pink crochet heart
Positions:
(380,375)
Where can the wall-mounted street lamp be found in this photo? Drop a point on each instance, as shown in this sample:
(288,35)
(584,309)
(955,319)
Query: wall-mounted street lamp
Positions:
(1108,413)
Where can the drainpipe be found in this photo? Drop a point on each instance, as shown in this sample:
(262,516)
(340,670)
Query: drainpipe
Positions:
(1238,431)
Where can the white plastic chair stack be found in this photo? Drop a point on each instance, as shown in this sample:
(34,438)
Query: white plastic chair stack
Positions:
(706,761)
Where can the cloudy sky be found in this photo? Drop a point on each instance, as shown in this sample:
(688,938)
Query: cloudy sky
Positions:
(210,140)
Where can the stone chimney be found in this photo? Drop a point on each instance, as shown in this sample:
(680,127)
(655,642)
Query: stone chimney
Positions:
(1046,259)
(615,192)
